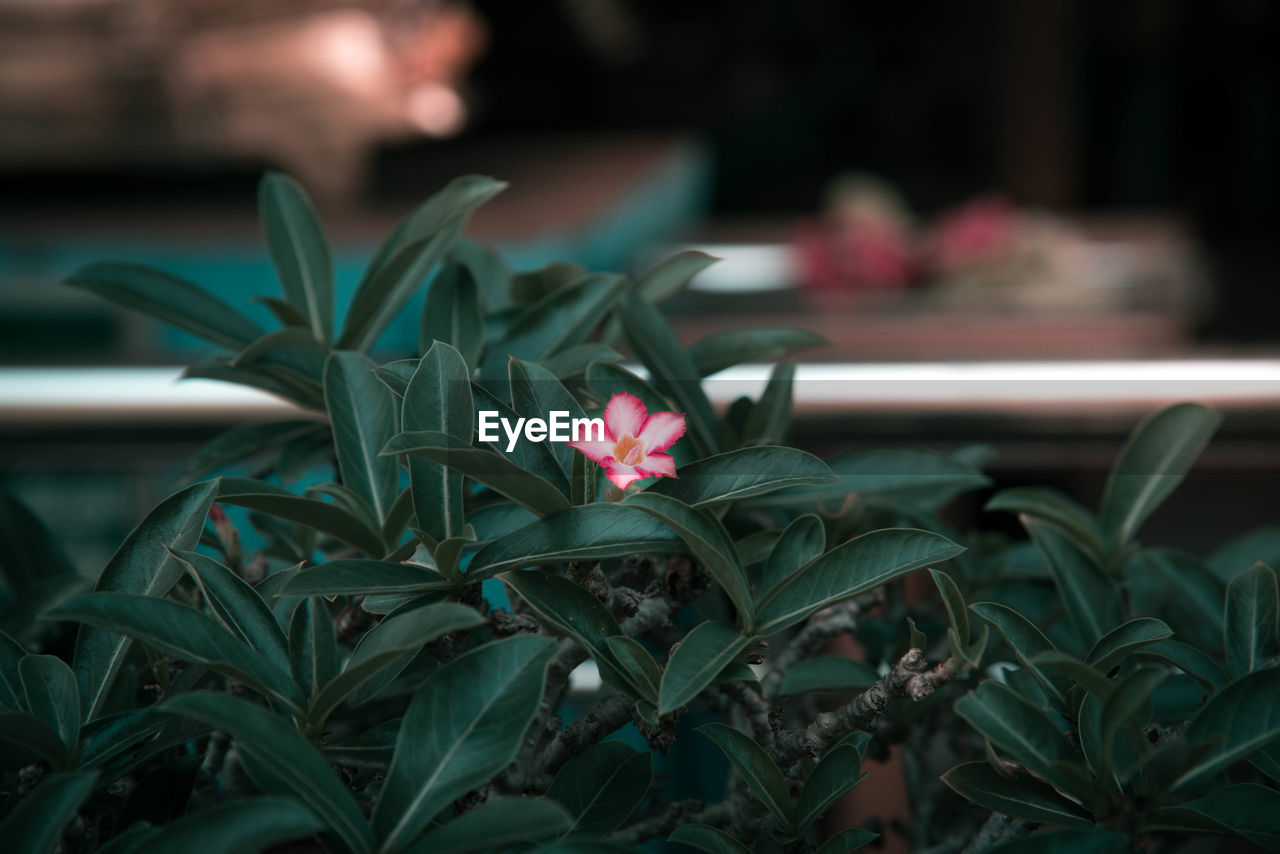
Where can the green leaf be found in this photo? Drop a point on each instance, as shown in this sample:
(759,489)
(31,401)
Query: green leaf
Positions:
(827,673)
(318,515)
(182,631)
(605,380)
(1051,506)
(670,275)
(25,738)
(556,322)
(1239,553)
(838,772)
(601,786)
(1093,603)
(713,840)
(52,695)
(286,312)
(363,417)
(280,761)
(495,825)
(141,565)
(1025,798)
(11,653)
(1120,710)
(1153,462)
(298,249)
(1243,718)
(575,360)
(1088,677)
(406,257)
(1246,809)
(386,642)
(452,313)
(534,457)
(709,543)
(168,298)
(1015,726)
(536,393)
(570,609)
(740,474)
(770,418)
(697,661)
(1073,841)
(1193,661)
(463,726)
(36,822)
(847,841)
(438,398)
(238,606)
(672,370)
(638,665)
(362,578)
(721,350)
(1126,638)
(590,532)
(396,375)
(800,542)
(28,551)
(251,824)
(244,441)
(953,601)
(1250,633)
(857,566)
(484,465)
(1025,639)
(313,645)
(756,768)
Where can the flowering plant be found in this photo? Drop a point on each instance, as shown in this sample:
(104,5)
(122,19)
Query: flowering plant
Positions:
(387,664)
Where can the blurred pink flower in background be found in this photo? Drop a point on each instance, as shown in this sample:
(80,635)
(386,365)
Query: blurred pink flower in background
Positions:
(977,232)
(634,441)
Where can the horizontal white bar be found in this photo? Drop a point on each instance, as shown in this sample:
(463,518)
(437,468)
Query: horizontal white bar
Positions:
(88,396)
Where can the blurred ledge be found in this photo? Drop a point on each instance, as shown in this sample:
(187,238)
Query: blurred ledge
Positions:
(72,398)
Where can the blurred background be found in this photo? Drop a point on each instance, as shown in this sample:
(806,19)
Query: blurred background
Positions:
(995,183)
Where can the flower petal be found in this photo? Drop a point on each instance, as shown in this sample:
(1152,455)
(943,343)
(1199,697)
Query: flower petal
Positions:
(657,465)
(661,430)
(621,475)
(624,415)
(596,451)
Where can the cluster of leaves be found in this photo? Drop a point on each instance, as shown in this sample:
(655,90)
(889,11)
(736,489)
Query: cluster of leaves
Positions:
(391,670)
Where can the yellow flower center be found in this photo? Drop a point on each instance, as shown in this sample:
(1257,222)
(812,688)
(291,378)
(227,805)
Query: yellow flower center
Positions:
(628,451)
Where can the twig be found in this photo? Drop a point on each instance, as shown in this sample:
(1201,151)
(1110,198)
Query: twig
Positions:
(756,708)
(811,640)
(607,717)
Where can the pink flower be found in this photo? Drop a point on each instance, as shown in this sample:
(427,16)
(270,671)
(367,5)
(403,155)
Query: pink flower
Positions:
(633,441)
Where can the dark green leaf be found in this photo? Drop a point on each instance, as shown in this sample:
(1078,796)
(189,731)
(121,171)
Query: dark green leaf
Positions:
(770,418)
(231,827)
(1051,506)
(1238,554)
(242,442)
(707,540)
(1195,662)
(298,250)
(953,601)
(495,825)
(363,418)
(406,257)
(239,607)
(438,398)
(838,772)
(828,673)
(11,652)
(1093,841)
(1014,725)
(755,766)
(291,352)
(182,631)
(141,565)
(272,379)
(1153,462)
(670,275)
(168,298)
(286,312)
(1025,798)
(318,515)
(557,321)
(639,666)
(605,380)
(672,370)
(25,738)
(1251,638)
(1025,639)
(857,566)
(847,841)
(800,542)
(280,761)
(1120,710)
(1243,715)
(721,350)
(574,361)
(536,393)
(740,474)
(591,532)
(452,313)
(396,375)
(28,551)
(52,695)
(1247,809)
(570,609)
(482,464)
(463,726)
(1093,603)
(36,822)
(313,645)
(362,578)
(713,840)
(601,786)
(1088,677)
(696,662)
(1126,638)
(534,457)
